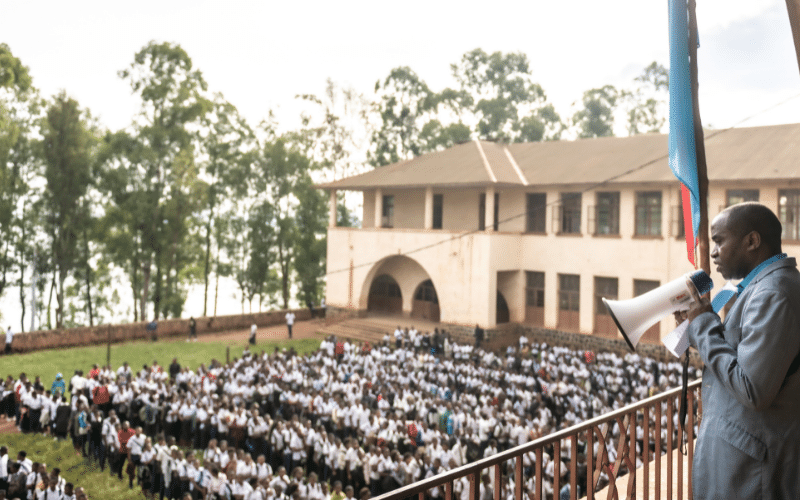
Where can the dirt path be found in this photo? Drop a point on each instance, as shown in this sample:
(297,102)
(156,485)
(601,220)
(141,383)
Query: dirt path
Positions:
(301,330)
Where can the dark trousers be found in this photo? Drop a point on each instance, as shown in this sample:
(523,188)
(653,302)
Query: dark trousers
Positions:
(290,334)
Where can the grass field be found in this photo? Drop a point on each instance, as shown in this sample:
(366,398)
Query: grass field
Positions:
(192,354)
(74,468)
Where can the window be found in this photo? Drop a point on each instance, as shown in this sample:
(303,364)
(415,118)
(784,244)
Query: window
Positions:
(607,215)
(534,289)
(679,228)
(648,213)
(438,202)
(604,287)
(571,213)
(388,211)
(426,292)
(537,204)
(482,211)
(569,286)
(641,287)
(789,213)
(736,196)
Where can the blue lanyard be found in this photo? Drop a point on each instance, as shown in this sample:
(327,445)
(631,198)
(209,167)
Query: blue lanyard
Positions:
(743,284)
(725,295)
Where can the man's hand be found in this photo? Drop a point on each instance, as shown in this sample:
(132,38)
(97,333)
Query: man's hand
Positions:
(699,306)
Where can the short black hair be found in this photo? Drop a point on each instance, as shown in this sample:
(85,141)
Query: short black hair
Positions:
(744,218)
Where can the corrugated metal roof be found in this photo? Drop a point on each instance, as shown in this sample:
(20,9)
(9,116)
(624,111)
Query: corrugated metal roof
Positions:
(755,153)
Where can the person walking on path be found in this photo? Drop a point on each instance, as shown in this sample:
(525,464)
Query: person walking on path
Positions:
(290,321)
(192,329)
(9,338)
(152,327)
(253,330)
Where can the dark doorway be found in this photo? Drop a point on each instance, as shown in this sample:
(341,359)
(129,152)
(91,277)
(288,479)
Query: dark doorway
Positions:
(426,303)
(503,316)
(385,296)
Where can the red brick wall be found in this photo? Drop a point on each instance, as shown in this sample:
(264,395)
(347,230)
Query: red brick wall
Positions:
(84,336)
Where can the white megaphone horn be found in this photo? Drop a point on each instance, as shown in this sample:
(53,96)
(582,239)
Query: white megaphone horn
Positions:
(634,316)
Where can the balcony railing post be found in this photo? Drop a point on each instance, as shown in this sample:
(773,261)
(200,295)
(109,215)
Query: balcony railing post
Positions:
(690,402)
(474,486)
(590,463)
(538,486)
(670,430)
(646,453)
(658,450)
(573,469)
(497,482)
(556,468)
(518,478)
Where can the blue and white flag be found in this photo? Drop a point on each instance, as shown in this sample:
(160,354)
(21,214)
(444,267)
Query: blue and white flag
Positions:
(682,154)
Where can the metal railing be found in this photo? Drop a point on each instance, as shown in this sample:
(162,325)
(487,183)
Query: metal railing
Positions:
(625,461)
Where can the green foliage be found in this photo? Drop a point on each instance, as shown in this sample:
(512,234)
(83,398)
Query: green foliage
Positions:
(596,119)
(647,107)
(66,152)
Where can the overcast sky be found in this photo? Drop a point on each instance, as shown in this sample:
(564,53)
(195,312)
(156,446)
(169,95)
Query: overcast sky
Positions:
(260,54)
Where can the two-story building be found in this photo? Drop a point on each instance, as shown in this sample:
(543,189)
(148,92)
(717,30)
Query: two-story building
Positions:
(486,233)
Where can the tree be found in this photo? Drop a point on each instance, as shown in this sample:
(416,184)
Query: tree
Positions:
(173,105)
(66,151)
(508,105)
(227,141)
(311,240)
(596,119)
(647,106)
(405,104)
(18,110)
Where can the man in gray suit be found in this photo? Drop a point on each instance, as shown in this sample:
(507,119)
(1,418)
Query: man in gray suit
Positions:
(749,440)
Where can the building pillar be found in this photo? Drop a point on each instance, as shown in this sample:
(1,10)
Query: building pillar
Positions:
(489,215)
(378,207)
(332,209)
(428,208)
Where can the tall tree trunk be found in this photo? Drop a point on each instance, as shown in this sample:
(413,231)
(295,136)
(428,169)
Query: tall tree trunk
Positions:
(284,275)
(157,297)
(146,270)
(216,277)
(88,279)
(50,302)
(62,276)
(22,287)
(135,278)
(208,261)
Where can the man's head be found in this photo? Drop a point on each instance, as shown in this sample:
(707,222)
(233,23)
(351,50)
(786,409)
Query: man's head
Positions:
(744,236)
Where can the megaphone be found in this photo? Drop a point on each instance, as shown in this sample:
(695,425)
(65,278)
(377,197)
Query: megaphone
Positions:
(634,316)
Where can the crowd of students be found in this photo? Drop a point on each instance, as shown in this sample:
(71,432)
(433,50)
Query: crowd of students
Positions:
(347,420)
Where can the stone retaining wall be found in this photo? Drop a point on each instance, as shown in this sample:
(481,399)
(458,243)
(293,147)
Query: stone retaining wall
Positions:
(168,328)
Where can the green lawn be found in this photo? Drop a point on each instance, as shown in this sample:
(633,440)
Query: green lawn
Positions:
(74,468)
(47,363)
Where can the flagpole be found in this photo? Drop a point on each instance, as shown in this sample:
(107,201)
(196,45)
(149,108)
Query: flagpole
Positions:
(793,6)
(702,170)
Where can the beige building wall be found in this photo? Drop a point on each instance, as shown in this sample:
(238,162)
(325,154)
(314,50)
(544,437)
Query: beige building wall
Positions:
(468,271)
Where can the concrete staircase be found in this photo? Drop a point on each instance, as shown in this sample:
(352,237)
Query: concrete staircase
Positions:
(372,328)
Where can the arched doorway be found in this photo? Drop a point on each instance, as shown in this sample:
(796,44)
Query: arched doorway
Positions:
(503,316)
(426,303)
(385,296)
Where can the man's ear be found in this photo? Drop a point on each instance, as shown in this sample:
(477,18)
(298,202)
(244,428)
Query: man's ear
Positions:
(753,241)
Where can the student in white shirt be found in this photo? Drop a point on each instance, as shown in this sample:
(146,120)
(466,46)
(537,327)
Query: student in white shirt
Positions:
(290,322)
